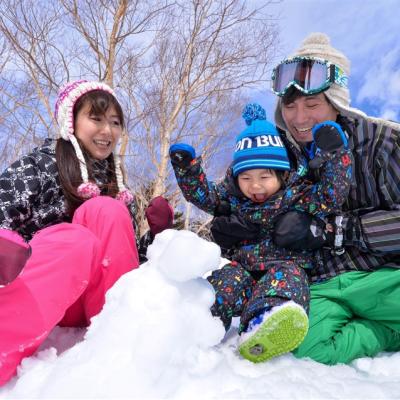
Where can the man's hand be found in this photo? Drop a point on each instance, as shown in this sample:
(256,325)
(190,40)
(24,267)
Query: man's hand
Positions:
(181,155)
(228,230)
(223,208)
(300,231)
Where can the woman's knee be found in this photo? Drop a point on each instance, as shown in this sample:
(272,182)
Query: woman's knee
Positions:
(62,241)
(64,234)
(104,204)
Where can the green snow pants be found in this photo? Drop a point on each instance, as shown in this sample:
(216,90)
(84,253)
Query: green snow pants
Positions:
(353,315)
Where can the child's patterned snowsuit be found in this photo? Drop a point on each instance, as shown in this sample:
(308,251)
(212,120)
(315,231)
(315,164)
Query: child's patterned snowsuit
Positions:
(261,275)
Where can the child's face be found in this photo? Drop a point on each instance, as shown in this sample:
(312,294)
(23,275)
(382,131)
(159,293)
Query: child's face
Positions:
(98,133)
(258,184)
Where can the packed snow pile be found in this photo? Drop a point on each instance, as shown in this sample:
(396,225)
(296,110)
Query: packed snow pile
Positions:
(156,338)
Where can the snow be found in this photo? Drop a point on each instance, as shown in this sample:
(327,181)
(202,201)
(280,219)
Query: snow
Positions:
(156,338)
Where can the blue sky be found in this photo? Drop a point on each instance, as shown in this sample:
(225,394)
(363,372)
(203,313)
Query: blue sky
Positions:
(366,31)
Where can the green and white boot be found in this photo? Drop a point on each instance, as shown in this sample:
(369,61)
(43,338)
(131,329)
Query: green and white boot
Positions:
(274,332)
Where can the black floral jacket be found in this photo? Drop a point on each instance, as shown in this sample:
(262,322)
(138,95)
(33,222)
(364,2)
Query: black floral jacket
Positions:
(31,197)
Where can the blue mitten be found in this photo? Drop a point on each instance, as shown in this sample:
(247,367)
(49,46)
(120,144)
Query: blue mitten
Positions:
(328,138)
(181,155)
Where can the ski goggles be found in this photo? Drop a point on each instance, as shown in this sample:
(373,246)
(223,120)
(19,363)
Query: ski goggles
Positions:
(308,74)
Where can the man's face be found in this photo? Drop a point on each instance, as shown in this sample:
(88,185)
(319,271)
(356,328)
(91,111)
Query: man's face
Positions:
(306,111)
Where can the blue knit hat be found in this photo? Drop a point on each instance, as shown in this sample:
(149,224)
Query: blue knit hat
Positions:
(259,145)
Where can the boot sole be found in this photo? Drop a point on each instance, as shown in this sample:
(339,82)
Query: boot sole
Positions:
(280,333)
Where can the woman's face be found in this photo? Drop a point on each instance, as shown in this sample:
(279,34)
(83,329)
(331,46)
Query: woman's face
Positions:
(302,114)
(99,134)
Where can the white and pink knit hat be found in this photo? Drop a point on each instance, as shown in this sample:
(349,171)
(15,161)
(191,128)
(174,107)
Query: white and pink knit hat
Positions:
(68,95)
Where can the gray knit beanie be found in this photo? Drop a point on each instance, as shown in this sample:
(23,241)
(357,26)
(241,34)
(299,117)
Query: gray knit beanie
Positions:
(318,45)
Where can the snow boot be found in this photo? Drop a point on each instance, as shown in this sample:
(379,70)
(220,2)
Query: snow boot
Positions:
(14,253)
(274,332)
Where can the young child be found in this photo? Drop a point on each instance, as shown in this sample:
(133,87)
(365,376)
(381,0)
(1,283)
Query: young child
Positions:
(265,285)
(67,221)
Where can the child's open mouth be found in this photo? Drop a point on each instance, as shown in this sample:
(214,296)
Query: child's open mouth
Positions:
(259,198)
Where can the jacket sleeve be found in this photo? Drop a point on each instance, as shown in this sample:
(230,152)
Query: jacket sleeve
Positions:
(378,231)
(20,186)
(197,189)
(329,193)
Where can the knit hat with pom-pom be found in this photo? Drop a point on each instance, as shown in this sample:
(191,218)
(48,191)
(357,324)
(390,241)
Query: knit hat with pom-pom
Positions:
(68,95)
(259,145)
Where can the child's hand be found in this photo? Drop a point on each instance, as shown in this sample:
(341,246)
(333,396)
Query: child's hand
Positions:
(328,138)
(181,155)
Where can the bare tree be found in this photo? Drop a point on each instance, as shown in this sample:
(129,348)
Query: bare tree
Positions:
(54,42)
(180,68)
(16,126)
(194,84)
(113,31)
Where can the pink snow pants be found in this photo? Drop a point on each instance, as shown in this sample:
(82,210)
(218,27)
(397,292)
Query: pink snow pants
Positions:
(65,281)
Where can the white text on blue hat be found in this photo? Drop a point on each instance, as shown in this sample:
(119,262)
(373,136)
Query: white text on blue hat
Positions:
(258,141)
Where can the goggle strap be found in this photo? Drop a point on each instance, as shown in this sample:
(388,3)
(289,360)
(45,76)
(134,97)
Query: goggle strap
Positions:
(332,71)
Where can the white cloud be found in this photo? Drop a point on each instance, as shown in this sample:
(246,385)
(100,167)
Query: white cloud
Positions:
(381,84)
(390,115)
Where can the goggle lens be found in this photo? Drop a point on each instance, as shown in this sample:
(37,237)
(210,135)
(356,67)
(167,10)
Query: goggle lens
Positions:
(307,74)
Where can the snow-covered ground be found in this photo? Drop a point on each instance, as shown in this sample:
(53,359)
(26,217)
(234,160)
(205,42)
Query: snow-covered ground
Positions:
(156,338)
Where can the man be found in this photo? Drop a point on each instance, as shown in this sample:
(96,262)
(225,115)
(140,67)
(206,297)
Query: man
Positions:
(355,291)
(355,309)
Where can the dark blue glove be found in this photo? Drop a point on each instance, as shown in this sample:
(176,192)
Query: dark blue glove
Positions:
(181,155)
(300,231)
(223,208)
(228,230)
(328,138)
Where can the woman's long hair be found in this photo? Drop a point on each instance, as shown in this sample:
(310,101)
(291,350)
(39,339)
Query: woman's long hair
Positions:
(67,161)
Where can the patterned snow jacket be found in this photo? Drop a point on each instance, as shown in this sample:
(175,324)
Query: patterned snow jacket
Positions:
(31,197)
(372,210)
(320,199)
